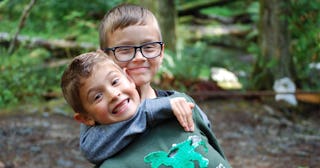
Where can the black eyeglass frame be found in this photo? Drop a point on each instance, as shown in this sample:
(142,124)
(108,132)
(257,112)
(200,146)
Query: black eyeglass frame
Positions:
(113,49)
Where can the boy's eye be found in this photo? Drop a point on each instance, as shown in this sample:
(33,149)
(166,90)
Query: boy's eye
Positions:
(115,81)
(97,96)
(124,50)
(149,48)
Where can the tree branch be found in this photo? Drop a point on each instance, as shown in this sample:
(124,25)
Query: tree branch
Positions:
(23,18)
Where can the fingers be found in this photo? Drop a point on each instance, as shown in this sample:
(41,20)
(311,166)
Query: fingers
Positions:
(191,105)
(183,112)
(190,118)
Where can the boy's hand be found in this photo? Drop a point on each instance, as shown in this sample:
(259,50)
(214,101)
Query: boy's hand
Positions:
(183,111)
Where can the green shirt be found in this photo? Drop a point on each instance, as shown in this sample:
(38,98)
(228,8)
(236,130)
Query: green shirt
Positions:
(162,137)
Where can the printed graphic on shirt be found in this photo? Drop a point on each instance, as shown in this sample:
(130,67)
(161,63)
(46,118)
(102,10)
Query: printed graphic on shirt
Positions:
(182,155)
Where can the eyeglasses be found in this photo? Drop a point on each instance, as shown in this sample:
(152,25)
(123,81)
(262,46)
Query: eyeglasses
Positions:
(127,53)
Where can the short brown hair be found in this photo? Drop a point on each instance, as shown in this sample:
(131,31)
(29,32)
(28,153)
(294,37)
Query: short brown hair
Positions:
(123,16)
(80,68)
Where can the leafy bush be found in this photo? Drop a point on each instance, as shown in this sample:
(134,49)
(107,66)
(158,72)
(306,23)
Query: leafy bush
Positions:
(304,27)
(75,19)
(194,62)
(25,78)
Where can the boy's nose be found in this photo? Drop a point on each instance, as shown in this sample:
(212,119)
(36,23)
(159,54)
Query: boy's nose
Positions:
(139,54)
(113,93)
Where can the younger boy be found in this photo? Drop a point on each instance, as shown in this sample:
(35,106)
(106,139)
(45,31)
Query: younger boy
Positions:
(105,99)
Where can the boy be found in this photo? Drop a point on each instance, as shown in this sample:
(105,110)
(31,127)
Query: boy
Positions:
(100,93)
(102,96)
(130,34)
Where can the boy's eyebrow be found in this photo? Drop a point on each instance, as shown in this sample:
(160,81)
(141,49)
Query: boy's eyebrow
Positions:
(110,73)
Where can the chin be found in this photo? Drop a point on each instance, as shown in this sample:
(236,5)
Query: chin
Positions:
(141,83)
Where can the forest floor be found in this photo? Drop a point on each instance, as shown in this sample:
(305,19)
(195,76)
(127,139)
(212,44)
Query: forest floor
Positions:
(253,134)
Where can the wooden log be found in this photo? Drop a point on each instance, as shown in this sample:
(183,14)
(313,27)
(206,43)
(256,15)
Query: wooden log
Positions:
(190,8)
(312,97)
(59,48)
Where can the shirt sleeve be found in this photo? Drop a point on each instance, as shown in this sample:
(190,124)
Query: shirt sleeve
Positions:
(98,143)
(157,110)
(204,116)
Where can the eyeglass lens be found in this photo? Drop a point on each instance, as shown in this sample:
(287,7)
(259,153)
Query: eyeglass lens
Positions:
(127,53)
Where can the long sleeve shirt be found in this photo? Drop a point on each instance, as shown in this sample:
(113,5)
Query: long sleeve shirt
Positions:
(100,142)
(163,138)
(97,143)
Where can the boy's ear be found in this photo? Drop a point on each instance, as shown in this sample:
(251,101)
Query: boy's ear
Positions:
(163,49)
(161,55)
(84,119)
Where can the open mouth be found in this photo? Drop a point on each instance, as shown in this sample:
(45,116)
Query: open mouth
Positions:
(121,107)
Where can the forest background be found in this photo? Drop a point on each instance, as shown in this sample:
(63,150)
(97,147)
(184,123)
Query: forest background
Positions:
(259,41)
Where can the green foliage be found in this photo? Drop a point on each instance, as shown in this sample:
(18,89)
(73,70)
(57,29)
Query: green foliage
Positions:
(58,19)
(25,78)
(194,61)
(189,62)
(304,21)
(238,7)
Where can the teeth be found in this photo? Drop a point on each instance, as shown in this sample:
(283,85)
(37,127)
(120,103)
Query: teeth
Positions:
(117,108)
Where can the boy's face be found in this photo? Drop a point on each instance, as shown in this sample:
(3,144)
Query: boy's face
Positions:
(108,96)
(140,69)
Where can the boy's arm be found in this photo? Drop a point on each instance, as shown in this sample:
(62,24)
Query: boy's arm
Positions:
(157,111)
(97,143)
(100,142)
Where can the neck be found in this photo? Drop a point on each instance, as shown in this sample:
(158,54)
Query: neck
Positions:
(146,91)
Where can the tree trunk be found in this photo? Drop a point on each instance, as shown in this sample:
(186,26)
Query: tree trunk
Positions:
(166,14)
(274,60)
(168,23)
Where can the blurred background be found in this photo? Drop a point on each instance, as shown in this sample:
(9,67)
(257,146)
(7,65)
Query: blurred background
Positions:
(215,50)
(257,42)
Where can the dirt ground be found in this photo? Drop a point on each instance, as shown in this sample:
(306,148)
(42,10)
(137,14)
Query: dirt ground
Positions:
(253,134)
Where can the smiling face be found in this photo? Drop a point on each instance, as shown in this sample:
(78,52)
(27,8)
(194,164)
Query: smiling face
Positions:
(107,95)
(140,69)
